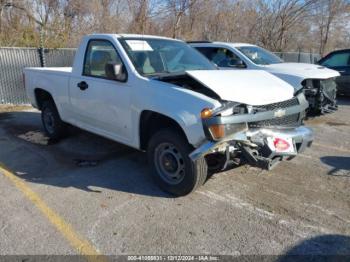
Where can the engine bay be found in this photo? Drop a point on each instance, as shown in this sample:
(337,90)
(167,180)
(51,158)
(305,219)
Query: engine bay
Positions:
(187,82)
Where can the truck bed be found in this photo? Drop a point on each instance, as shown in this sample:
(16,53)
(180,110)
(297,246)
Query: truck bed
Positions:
(54,80)
(51,70)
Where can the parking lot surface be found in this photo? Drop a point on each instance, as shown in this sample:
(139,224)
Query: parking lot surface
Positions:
(86,189)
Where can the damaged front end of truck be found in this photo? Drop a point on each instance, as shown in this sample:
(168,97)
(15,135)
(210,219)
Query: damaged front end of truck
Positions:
(260,135)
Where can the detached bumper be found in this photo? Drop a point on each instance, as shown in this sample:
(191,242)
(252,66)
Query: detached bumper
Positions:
(302,138)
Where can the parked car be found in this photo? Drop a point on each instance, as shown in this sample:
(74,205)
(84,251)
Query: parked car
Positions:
(161,96)
(340,61)
(318,83)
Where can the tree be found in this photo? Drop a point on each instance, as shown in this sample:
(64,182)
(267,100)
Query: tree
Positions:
(277,18)
(278,25)
(139,13)
(326,14)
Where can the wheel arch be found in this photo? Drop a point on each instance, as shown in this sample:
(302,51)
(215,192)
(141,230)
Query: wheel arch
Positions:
(151,121)
(41,96)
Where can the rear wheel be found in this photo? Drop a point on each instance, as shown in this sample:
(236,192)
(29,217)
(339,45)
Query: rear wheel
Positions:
(171,167)
(54,127)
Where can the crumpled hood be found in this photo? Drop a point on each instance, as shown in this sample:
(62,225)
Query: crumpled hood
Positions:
(302,70)
(252,87)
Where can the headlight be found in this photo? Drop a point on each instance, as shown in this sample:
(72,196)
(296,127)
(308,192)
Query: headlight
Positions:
(227,112)
(223,130)
(206,113)
(219,131)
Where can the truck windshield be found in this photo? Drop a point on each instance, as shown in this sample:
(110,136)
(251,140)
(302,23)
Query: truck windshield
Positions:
(259,56)
(156,57)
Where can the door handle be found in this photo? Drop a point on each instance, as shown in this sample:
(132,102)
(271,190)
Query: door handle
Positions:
(83,85)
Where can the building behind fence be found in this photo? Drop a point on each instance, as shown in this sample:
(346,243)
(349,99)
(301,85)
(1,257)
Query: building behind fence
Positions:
(13,60)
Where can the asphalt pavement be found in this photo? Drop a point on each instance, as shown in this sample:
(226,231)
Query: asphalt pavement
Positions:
(87,194)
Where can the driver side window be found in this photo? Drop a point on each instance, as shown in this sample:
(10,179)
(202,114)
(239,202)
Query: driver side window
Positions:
(338,59)
(99,53)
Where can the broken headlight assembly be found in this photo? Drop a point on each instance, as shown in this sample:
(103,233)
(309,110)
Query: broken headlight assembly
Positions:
(309,87)
(222,130)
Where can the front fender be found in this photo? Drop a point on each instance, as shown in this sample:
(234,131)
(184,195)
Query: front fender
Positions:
(182,105)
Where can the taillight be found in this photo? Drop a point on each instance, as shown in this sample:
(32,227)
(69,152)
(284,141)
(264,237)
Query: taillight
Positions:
(281,144)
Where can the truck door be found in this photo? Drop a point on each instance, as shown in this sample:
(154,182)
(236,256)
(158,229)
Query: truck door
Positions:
(100,103)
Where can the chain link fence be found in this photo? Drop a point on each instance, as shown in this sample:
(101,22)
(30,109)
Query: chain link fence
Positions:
(62,57)
(13,60)
(299,57)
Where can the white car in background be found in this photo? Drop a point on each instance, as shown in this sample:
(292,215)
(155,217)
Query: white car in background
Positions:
(317,82)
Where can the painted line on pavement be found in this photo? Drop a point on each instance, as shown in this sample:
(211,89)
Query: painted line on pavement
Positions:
(76,241)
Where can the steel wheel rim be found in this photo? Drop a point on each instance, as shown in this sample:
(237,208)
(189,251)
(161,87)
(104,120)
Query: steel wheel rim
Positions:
(169,163)
(49,121)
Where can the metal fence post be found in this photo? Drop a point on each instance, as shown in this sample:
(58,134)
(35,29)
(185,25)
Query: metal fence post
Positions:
(41,48)
(311,58)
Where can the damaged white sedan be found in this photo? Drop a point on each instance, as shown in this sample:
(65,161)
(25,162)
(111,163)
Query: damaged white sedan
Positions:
(317,82)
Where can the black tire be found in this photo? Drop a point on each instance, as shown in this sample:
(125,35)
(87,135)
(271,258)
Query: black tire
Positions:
(191,174)
(54,127)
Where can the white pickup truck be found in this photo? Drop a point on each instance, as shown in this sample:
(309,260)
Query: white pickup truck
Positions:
(161,96)
(317,82)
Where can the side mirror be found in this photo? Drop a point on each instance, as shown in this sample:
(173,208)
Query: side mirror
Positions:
(236,63)
(116,71)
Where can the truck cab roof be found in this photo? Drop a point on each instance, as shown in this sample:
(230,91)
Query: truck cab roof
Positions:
(128,36)
(207,43)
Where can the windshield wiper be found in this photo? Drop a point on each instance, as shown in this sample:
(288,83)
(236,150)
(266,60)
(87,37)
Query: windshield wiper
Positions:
(168,75)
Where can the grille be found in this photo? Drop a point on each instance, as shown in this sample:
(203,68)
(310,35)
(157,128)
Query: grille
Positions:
(286,121)
(284,104)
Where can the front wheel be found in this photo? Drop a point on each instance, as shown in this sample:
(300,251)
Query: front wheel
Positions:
(171,167)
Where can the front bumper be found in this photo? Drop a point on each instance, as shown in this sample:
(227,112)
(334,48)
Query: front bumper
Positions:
(302,138)
(249,132)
